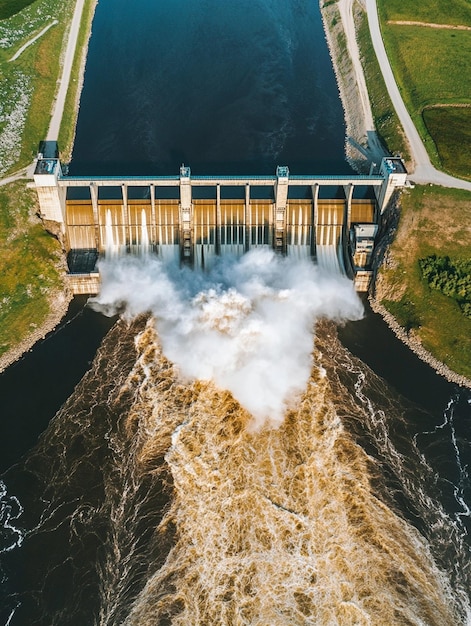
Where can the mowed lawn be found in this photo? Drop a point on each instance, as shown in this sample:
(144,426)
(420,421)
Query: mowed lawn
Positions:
(431,66)
(432,11)
(450,126)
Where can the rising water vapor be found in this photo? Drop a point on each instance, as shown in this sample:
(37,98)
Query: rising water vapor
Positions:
(247,325)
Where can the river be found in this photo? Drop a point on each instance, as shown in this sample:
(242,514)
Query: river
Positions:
(331,485)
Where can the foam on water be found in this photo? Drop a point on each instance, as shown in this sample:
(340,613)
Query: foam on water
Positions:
(156,501)
(10,512)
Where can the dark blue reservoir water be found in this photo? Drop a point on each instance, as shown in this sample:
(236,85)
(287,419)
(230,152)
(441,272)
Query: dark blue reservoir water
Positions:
(225,87)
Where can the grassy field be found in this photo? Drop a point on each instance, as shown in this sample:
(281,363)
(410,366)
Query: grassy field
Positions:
(431,66)
(451,12)
(449,126)
(28,84)
(30,264)
(11,7)
(434,220)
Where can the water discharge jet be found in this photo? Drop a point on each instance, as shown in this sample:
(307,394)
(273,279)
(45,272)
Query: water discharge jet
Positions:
(145,247)
(111,248)
(247,324)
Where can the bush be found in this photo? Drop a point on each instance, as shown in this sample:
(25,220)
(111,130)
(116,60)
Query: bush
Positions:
(450,277)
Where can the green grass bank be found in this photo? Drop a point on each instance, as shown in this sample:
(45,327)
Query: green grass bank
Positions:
(28,84)
(433,221)
(385,117)
(32,267)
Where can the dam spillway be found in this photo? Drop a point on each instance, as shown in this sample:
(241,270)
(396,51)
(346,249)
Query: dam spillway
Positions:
(166,216)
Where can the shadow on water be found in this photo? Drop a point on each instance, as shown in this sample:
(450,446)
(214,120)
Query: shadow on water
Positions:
(35,387)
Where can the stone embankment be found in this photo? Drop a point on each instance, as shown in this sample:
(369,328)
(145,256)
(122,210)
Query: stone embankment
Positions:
(362,146)
(346,82)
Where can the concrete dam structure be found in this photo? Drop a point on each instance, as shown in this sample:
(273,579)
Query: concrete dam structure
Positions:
(194,219)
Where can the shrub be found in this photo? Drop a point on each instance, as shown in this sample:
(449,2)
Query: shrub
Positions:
(450,277)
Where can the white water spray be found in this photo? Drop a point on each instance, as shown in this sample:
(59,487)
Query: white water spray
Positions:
(247,325)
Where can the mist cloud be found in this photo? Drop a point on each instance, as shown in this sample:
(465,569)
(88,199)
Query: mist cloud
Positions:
(247,325)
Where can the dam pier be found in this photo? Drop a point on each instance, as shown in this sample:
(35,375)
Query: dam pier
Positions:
(192,220)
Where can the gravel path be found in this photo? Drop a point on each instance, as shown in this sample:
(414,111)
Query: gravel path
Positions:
(58,109)
(424,171)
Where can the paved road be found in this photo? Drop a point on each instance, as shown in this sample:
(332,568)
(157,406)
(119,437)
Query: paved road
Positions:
(374,150)
(58,106)
(58,109)
(424,171)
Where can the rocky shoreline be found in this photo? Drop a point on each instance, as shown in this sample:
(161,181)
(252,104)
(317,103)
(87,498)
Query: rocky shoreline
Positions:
(414,344)
(60,301)
(346,75)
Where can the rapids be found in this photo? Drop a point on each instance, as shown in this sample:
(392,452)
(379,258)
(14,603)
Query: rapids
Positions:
(277,526)
(154,496)
(153,500)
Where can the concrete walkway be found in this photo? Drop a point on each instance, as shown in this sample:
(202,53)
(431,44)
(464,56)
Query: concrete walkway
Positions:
(424,171)
(25,172)
(59,103)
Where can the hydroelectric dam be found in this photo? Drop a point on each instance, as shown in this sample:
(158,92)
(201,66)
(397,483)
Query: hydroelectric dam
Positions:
(194,219)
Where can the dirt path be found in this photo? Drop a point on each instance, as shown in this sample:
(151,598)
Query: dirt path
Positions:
(429,25)
(424,171)
(32,40)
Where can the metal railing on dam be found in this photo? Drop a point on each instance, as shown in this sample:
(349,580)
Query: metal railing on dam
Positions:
(195,231)
(213,181)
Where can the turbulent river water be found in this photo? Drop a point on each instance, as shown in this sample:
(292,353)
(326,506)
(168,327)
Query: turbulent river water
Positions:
(226,458)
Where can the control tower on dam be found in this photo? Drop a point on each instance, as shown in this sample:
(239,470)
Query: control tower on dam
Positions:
(194,219)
